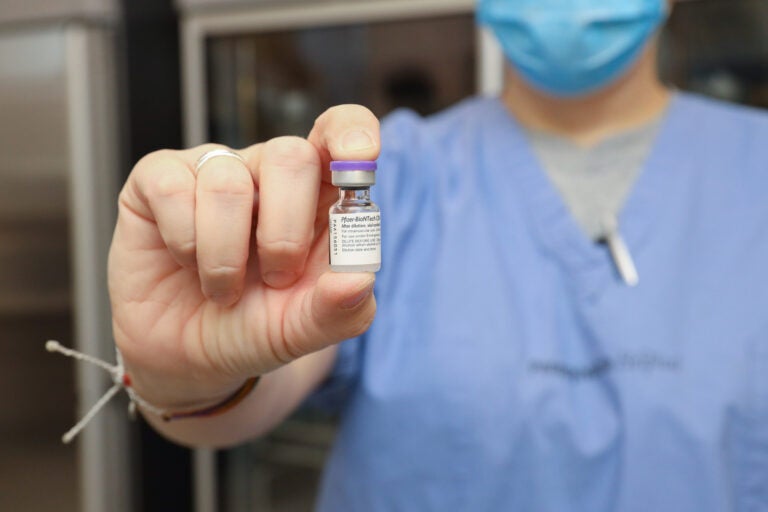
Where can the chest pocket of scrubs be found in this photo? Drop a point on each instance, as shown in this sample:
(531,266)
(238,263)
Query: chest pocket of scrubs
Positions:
(750,433)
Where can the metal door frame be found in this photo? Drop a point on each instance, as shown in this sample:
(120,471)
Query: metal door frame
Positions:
(94,167)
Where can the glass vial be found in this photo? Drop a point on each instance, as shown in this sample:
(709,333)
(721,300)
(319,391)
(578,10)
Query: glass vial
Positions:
(354,221)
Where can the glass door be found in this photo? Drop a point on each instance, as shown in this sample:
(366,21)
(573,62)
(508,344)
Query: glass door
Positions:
(268,84)
(265,82)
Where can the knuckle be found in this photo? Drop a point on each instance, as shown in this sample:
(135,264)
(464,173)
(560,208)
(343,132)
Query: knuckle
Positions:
(184,248)
(150,162)
(124,197)
(282,248)
(167,185)
(227,182)
(161,173)
(222,272)
(291,152)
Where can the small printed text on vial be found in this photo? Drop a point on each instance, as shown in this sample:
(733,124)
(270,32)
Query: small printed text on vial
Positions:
(355,238)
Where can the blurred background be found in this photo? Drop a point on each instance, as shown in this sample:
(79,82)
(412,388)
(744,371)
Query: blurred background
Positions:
(89,86)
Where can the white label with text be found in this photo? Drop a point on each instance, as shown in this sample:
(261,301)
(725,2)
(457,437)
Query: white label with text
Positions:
(355,238)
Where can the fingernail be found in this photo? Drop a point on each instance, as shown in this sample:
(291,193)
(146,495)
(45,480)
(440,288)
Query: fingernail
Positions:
(279,278)
(355,140)
(357,298)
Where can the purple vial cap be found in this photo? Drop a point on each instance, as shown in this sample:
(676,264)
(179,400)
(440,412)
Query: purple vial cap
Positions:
(353,165)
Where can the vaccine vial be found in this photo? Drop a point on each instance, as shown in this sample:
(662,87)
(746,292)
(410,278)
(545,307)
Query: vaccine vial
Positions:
(354,221)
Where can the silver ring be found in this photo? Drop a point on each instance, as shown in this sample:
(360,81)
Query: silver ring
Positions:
(214,153)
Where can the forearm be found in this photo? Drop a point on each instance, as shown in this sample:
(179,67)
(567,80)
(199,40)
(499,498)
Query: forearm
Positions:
(275,397)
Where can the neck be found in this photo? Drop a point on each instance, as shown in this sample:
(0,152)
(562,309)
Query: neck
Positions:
(635,99)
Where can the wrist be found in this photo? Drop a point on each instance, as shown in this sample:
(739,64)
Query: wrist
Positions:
(171,391)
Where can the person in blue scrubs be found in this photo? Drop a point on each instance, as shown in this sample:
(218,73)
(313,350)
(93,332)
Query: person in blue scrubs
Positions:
(572,308)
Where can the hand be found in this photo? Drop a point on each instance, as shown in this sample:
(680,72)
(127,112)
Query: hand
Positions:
(218,277)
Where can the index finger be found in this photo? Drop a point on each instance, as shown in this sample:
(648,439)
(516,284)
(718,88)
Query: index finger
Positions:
(345,132)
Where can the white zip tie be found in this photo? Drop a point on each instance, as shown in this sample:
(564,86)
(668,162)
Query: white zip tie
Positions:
(119,379)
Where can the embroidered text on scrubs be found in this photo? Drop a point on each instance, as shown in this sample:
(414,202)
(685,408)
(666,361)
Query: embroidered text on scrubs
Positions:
(645,362)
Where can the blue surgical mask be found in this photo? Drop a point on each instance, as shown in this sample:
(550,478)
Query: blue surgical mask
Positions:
(572,47)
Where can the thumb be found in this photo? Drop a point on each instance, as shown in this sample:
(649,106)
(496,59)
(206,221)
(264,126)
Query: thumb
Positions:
(342,306)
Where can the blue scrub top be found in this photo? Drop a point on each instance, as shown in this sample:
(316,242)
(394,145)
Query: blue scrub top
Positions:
(510,369)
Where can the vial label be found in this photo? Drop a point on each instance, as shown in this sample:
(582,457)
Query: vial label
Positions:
(355,238)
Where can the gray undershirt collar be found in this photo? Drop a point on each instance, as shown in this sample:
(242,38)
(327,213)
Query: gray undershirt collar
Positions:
(594,182)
